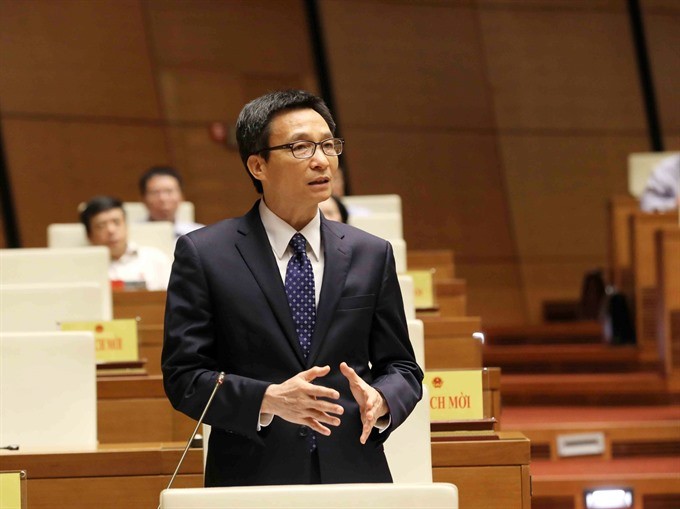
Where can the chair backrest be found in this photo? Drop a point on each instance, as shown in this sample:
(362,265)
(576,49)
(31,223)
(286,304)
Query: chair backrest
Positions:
(372,204)
(409,449)
(640,167)
(41,307)
(46,266)
(48,390)
(416,332)
(387,225)
(136,211)
(400,256)
(158,234)
(408,295)
(338,496)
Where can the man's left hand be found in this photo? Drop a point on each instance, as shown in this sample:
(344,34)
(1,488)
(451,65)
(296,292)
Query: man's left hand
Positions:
(371,403)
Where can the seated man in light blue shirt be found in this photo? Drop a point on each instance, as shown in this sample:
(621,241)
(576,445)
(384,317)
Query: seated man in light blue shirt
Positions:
(161,190)
(662,192)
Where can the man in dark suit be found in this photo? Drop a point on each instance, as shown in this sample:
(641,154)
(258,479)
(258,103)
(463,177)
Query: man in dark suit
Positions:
(304,315)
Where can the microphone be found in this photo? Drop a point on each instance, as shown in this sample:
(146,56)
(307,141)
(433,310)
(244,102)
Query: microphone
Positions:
(218,383)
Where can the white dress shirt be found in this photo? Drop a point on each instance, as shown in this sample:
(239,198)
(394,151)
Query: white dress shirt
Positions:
(142,264)
(279,234)
(662,191)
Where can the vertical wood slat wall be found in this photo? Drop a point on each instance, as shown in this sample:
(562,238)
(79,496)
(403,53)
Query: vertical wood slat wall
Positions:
(503,124)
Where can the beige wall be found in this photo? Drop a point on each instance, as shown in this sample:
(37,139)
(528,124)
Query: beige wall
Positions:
(503,124)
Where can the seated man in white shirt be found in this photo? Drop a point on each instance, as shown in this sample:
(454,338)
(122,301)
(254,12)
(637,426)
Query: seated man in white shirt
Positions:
(131,265)
(662,192)
(161,190)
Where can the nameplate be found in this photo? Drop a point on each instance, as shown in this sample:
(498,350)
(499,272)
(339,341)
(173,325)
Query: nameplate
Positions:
(10,490)
(115,340)
(423,287)
(455,395)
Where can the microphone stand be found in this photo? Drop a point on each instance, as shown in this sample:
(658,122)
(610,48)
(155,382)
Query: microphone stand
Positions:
(218,383)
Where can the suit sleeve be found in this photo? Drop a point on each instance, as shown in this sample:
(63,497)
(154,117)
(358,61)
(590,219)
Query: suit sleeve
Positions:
(190,352)
(395,371)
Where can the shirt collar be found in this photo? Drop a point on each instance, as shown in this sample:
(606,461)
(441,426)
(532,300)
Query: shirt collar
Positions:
(279,232)
(131,249)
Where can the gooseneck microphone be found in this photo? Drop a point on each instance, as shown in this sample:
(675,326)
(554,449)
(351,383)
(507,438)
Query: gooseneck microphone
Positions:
(218,383)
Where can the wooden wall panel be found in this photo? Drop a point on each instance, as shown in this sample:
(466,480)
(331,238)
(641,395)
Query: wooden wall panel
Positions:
(559,188)
(70,57)
(569,110)
(211,58)
(256,36)
(412,95)
(661,19)
(577,5)
(93,93)
(406,65)
(452,197)
(56,165)
(215,178)
(495,291)
(562,69)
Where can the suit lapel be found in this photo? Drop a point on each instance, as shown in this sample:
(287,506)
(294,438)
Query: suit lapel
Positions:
(337,258)
(256,251)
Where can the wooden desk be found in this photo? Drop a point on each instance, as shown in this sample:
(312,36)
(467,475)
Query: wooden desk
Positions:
(489,474)
(135,409)
(645,275)
(449,343)
(149,307)
(668,312)
(112,477)
(441,260)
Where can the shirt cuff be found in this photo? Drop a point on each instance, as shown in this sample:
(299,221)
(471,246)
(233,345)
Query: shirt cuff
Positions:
(264,420)
(383,423)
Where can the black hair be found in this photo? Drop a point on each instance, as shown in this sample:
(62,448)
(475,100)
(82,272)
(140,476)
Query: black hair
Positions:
(341,207)
(156,171)
(252,126)
(97,205)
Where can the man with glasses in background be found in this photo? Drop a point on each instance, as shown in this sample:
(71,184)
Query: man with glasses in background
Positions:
(161,191)
(304,316)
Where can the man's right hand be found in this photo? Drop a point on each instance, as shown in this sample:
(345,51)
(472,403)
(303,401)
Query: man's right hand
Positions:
(297,400)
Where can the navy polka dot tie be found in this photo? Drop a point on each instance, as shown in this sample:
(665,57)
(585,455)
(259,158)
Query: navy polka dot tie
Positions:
(300,293)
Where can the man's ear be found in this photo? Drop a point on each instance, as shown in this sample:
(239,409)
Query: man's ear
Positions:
(256,166)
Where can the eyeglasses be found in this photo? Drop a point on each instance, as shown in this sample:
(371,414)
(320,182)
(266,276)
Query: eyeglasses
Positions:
(305,149)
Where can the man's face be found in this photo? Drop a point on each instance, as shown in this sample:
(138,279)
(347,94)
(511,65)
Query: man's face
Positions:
(162,197)
(109,229)
(297,182)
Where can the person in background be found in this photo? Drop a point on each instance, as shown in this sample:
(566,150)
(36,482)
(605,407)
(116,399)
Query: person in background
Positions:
(161,190)
(662,192)
(338,182)
(303,315)
(333,209)
(133,265)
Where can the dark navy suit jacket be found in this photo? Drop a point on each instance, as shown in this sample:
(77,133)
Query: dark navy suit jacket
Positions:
(227,311)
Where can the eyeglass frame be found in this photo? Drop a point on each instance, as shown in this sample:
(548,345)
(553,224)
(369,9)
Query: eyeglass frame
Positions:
(315,143)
